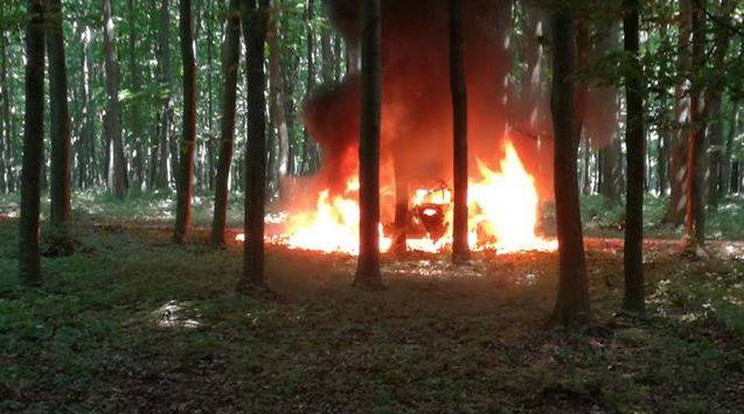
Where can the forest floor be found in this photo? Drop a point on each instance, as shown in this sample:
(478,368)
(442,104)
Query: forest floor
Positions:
(133,323)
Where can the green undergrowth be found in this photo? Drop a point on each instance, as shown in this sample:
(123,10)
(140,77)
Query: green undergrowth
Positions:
(133,323)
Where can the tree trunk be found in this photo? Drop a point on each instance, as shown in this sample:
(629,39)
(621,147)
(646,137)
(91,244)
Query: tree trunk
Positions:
(185,181)
(634,300)
(254,36)
(460,247)
(679,145)
(118,173)
(33,145)
(695,219)
(5,136)
(572,305)
(166,82)
(726,166)
(230,72)
(368,268)
(714,97)
(60,190)
(308,144)
(402,197)
(278,115)
(135,115)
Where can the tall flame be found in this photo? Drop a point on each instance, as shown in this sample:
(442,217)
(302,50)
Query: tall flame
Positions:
(503,215)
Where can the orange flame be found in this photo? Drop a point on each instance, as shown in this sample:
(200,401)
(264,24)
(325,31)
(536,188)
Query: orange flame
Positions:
(503,209)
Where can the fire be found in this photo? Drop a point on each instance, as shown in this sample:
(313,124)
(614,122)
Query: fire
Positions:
(503,209)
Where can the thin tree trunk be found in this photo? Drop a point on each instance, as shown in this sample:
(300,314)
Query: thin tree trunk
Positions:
(136,124)
(402,197)
(368,268)
(307,144)
(33,144)
(118,174)
(254,36)
(166,82)
(460,247)
(185,181)
(277,100)
(5,136)
(572,305)
(60,190)
(230,64)
(634,300)
(727,161)
(714,97)
(695,219)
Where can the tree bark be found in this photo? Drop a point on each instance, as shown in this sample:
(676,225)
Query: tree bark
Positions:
(254,35)
(368,268)
(308,144)
(166,82)
(33,144)
(679,145)
(60,190)
(5,136)
(695,218)
(635,137)
(572,305)
(117,173)
(460,247)
(185,181)
(714,97)
(135,116)
(278,114)
(230,64)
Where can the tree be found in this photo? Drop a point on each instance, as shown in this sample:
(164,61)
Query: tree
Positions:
(368,268)
(572,305)
(254,35)
(33,144)
(135,85)
(60,122)
(276,106)
(460,248)
(695,218)
(634,300)
(230,63)
(678,150)
(115,145)
(160,168)
(715,103)
(185,181)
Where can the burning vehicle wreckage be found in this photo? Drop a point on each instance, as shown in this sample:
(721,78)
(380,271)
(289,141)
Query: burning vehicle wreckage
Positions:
(510,172)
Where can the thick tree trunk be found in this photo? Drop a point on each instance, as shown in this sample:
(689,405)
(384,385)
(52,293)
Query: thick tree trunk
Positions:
(634,300)
(118,172)
(572,305)
(368,268)
(230,72)
(33,144)
(714,97)
(60,190)
(695,190)
(135,85)
(460,247)
(254,35)
(679,145)
(185,181)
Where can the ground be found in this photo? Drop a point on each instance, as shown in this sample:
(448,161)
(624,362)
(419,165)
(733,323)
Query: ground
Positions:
(132,323)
